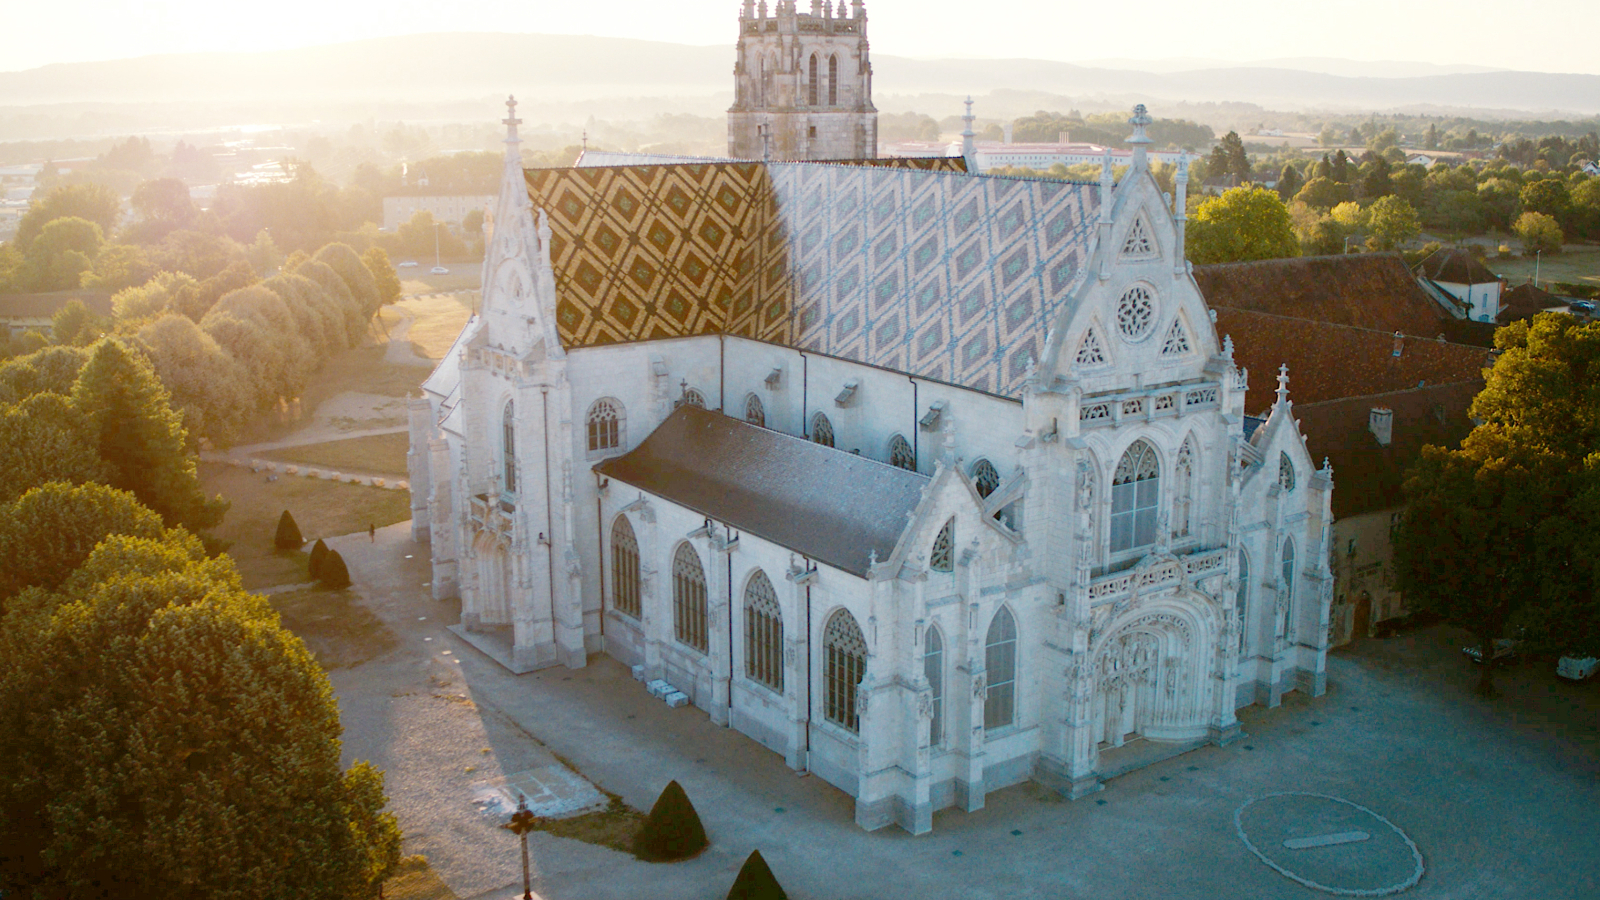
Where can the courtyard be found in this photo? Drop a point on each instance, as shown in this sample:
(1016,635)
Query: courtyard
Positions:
(1498,797)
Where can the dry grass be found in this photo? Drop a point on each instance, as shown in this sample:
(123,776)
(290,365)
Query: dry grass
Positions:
(1579,265)
(337,628)
(612,827)
(464,275)
(362,370)
(436,321)
(416,880)
(320,508)
(383,454)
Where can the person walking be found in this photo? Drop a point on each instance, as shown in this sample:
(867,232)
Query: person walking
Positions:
(372,532)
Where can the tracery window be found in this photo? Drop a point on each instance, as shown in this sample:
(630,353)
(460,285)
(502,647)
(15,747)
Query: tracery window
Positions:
(1177,342)
(1136,313)
(1000,661)
(1287,602)
(689,598)
(901,454)
(1090,352)
(1241,599)
(821,430)
(754,411)
(1138,242)
(942,558)
(693,397)
(1183,491)
(624,568)
(985,477)
(843,666)
(1285,473)
(833,81)
(763,633)
(811,93)
(1135,488)
(605,425)
(508,447)
(933,670)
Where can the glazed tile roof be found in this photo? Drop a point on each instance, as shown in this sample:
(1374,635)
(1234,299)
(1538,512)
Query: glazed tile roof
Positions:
(1327,362)
(1366,290)
(1368,476)
(828,505)
(909,264)
(1455,266)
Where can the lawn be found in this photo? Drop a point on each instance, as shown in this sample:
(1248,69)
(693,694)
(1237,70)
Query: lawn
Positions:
(463,276)
(320,508)
(382,454)
(1579,265)
(437,319)
(337,628)
(362,370)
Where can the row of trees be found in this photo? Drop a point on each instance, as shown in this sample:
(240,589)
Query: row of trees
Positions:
(1503,533)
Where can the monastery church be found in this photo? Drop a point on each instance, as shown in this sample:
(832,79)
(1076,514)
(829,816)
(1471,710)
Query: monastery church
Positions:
(930,482)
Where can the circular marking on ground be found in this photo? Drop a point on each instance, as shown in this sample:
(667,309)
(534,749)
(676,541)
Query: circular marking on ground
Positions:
(1329,844)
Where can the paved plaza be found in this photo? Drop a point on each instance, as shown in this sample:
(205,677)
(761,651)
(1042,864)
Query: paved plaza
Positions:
(1499,799)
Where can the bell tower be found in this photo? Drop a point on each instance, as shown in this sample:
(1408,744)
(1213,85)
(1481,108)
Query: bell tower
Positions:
(803,83)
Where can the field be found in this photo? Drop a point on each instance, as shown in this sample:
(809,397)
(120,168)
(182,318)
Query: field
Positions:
(1576,264)
(436,320)
(381,454)
(320,508)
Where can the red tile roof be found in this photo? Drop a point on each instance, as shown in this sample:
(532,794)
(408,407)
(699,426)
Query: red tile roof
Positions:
(1327,362)
(1366,290)
(1456,266)
(1526,301)
(1368,476)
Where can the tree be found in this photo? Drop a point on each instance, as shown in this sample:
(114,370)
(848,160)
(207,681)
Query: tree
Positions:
(164,200)
(288,533)
(1289,182)
(74,325)
(377,262)
(63,249)
(141,438)
(1244,223)
(1539,233)
(43,439)
(118,266)
(167,291)
(332,572)
(1339,169)
(93,202)
(206,385)
(50,530)
(472,222)
(1323,193)
(52,369)
(237,275)
(1391,222)
(1548,196)
(672,831)
(355,275)
(319,554)
(1375,180)
(338,293)
(1228,159)
(1431,142)
(166,735)
(755,881)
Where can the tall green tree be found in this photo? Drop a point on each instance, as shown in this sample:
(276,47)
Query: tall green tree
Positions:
(1243,223)
(50,530)
(43,438)
(1391,222)
(93,202)
(141,438)
(1289,182)
(166,737)
(1539,233)
(377,262)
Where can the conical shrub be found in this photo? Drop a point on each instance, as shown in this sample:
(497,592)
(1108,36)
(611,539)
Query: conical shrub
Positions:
(288,536)
(319,555)
(755,881)
(332,572)
(672,831)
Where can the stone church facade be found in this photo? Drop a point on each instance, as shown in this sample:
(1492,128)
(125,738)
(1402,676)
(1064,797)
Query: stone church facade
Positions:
(931,482)
(802,84)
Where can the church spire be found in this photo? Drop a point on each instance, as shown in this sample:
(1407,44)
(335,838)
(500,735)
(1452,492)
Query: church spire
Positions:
(513,142)
(969,149)
(1139,140)
(1283,384)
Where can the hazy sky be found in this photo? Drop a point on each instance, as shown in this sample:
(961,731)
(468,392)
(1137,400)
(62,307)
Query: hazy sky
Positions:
(1539,35)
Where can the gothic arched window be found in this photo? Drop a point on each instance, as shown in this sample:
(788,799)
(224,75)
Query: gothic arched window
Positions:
(1285,473)
(901,454)
(693,397)
(811,94)
(763,632)
(754,412)
(942,557)
(1000,661)
(605,425)
(1183,491)
(1241,598)
(985,477)
(933,670)
(844,663)
(833,81)
(689,598)
(821,430)
(624,568)
(508,447)
(1134,491)
(1288,569)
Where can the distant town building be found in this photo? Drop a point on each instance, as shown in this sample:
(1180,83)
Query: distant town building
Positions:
(447,208)
(1459,274)
(35,312)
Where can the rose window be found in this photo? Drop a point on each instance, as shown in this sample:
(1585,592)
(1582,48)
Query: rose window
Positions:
(1136,313)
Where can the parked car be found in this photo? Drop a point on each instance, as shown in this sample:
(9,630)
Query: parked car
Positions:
(438,270)
(1583,306)
(1505,650)
(409,264)
(1574,669)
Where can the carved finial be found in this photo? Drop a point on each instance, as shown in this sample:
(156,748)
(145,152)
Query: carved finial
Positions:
(1283,383)
(511,121)
(1140,119)
(1227,346)
(872,557)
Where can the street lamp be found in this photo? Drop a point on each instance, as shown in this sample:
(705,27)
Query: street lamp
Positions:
(522,822)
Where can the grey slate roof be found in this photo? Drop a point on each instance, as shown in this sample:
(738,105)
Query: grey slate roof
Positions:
(829,505)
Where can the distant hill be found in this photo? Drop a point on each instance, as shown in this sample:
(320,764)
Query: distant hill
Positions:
(558,69)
